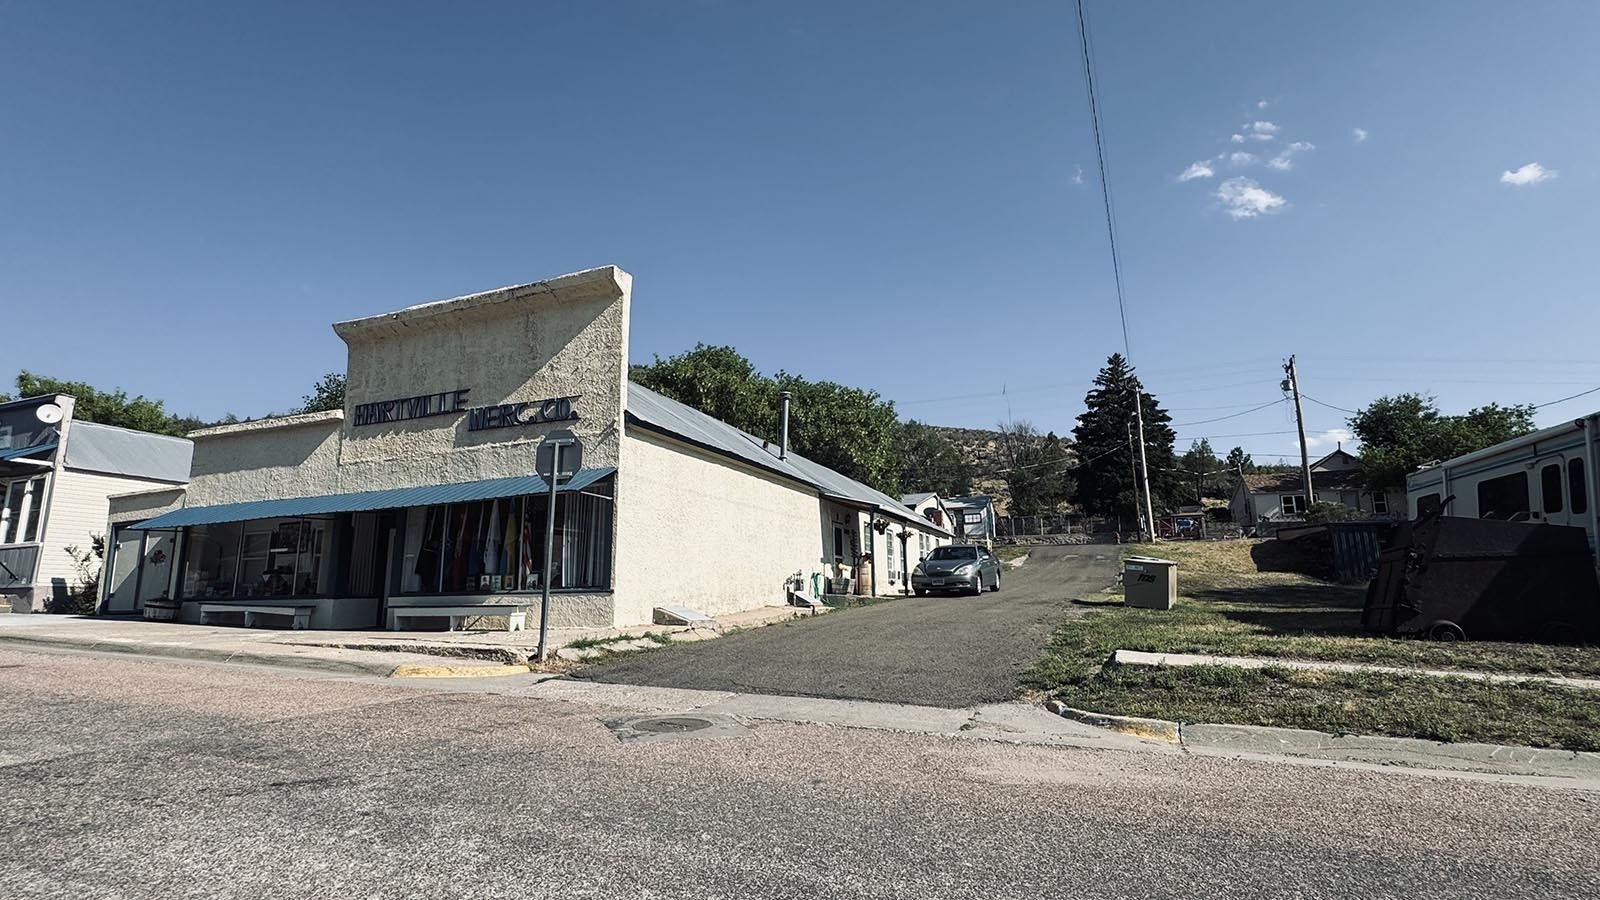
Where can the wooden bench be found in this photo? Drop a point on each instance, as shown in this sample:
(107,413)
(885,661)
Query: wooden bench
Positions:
(516,616)
(300,616)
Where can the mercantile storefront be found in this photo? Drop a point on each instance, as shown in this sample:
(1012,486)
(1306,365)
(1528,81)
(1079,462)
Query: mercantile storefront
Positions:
(421,499)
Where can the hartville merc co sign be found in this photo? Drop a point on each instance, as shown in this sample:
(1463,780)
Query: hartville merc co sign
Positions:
(479,418)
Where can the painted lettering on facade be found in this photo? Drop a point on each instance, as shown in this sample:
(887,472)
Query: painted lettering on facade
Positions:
(531,412)
(420,407)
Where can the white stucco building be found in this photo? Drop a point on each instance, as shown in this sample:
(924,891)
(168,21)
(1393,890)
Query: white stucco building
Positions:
(422,493)
(56,477)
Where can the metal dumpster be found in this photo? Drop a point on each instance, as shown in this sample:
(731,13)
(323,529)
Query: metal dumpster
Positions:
(1149,583)
(1454,578)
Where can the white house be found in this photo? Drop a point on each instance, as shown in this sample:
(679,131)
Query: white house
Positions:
(56,477)
(1278,497)
(423,495)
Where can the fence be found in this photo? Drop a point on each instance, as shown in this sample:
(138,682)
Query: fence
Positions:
(1039,526)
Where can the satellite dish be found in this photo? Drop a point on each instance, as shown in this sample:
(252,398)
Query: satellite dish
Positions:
(48,413)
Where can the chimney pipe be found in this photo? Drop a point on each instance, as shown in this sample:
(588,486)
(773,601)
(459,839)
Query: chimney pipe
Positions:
(783,424)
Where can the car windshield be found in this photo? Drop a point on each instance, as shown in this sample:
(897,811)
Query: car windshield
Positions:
(954,553)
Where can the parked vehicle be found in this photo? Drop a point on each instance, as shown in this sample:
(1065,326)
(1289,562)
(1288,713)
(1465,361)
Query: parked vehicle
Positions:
(963,568)
(1546,477)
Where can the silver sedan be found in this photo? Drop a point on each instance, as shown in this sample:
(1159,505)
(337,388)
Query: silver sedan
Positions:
(962,568)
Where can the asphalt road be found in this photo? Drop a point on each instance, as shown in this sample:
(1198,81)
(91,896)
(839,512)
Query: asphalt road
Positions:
(154,779)
(932,651)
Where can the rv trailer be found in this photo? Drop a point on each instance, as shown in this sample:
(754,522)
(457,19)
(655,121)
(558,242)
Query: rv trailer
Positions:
(1545,477)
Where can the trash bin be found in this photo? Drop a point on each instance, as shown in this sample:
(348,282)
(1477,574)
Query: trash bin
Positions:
(1149,583)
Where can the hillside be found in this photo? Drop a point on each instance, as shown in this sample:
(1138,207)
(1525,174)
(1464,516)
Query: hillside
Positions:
(980,449)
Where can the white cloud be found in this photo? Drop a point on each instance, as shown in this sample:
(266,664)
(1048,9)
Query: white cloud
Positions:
(1360,134)
(1532,173)
(1284,161)
(1261,131)
(1240,158)
(1077,174)
(1200,169)
(1329,440)
(1243,198)
(1261,104)
(1237,139)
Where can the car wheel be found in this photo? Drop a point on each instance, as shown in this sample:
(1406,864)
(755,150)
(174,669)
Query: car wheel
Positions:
(1446,631)
(977,587)
(996,586)
(920,592)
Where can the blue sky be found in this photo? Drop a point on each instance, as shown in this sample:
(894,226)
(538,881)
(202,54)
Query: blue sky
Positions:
(881,194)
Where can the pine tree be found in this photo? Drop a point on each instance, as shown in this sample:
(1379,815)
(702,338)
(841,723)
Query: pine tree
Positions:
(1106,485)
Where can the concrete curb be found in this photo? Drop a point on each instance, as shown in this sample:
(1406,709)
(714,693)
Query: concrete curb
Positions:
(421,671)
(1560,767)
(1142,658)
(382,669)
(1153,729)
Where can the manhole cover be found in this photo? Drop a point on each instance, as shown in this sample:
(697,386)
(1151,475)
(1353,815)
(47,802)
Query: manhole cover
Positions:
(637,729)
(670,725)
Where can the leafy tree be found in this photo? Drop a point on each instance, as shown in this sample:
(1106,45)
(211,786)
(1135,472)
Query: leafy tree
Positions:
(327,394)
(847,429)
(930,462)
(1106,484)
(1400,433)
(1239,461)
(1036,469)
(1201,469)
(105,407)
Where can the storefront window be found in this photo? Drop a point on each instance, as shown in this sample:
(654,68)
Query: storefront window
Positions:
(266,558)
(493,546)
(211,560)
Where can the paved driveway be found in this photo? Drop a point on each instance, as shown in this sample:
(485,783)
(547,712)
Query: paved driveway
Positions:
(935,651)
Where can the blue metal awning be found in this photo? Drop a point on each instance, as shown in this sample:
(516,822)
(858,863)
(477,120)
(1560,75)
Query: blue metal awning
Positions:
(20,452)
(367,501)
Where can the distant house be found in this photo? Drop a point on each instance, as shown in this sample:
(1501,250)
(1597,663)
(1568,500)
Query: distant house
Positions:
(1279,497)
(974,517)
(931,507)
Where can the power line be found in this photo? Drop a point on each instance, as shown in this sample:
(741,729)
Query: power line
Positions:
(1233,416)
(1565,399)
(1352,412)
(1105,179)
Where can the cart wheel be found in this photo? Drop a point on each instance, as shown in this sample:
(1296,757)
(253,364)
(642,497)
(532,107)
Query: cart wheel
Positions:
(1446,631)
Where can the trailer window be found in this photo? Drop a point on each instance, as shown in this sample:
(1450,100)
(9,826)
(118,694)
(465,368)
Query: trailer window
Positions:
(1428,504)
(1550,487)
(1505,497)
(1578,486)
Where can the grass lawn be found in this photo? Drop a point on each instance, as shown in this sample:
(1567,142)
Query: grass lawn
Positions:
(1237,600)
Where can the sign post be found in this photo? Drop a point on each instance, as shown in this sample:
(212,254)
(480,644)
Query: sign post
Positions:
(551,449)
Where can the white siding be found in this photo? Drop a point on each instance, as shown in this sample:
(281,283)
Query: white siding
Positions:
(78,511)
(694,530)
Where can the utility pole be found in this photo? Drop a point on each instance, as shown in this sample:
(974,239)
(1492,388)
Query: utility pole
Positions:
(1133,470)
(1144,464)
(1292,384)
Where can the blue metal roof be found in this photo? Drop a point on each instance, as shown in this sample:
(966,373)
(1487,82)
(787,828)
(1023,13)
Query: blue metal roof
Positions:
(366,501)
(20,452)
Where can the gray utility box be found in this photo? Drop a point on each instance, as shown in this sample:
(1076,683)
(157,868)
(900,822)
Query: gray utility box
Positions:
(1149,583)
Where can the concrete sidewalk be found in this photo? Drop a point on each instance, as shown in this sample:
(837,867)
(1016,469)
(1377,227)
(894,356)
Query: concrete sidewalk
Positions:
(369,652)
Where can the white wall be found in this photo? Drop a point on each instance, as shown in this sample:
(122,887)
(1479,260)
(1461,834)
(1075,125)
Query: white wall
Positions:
(79,507)
(699,531)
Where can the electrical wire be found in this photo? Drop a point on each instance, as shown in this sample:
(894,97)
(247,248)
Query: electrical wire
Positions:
(1233,416)
(1563,399)
(1105,179)
(1306,396)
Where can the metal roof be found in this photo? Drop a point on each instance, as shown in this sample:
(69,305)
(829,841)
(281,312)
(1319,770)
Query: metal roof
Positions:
(648,408)
(914,499)
(366,501)
(20,452)
(92,447)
